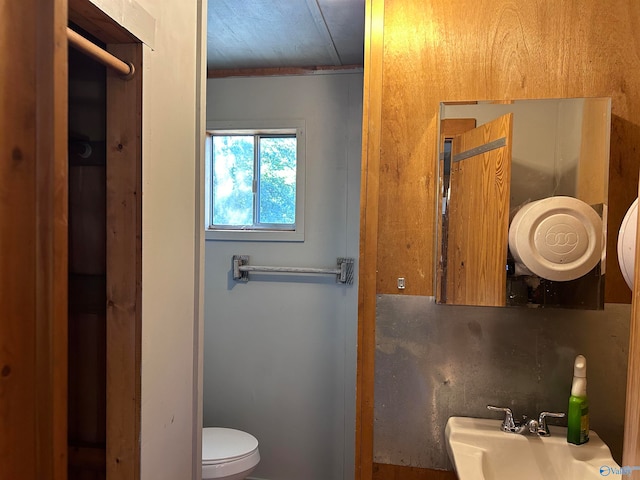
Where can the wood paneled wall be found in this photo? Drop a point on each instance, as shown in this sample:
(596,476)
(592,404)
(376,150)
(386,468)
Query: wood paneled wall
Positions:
(422,52)
(496,50)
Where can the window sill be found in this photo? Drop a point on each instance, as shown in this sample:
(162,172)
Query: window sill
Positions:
(255,235)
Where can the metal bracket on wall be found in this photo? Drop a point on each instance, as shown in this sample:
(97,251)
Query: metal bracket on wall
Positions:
(343,272)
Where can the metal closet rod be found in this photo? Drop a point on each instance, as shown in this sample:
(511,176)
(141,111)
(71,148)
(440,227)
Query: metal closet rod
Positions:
(125,69)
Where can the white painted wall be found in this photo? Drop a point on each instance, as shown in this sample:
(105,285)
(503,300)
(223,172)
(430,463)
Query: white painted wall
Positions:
(172,237)
(280,355)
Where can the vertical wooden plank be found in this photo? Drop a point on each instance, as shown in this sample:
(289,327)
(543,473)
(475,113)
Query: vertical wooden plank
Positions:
(33,283)
(51,238)
(124,266)
(369,194)
(17,237)
(631,445)
(407,180)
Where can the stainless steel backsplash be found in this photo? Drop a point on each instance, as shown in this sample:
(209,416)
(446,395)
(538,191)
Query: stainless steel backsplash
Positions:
(436,361)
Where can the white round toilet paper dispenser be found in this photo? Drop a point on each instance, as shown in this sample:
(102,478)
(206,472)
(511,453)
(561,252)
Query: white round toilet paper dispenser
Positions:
(627,243)
(557,238)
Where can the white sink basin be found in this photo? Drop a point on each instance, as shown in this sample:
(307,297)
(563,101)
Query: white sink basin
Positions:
(479,450)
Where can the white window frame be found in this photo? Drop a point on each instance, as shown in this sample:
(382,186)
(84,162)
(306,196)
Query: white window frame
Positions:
(249,234)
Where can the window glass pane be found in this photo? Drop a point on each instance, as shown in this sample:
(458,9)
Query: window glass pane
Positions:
(233,180)
(277,191)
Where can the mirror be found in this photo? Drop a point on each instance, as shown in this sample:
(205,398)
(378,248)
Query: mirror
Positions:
(523,202)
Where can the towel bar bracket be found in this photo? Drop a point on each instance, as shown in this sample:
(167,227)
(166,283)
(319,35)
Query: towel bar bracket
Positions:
(343,271)
(240,261)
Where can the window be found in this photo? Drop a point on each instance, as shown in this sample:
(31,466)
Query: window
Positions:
(255,182)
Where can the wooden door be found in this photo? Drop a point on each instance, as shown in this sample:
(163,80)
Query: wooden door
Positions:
(478,215)
(33,240)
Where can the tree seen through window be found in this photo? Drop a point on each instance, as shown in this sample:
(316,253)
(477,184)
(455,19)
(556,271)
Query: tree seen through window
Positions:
(254,180)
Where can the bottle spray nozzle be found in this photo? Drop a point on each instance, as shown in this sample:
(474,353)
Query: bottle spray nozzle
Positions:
(580,367)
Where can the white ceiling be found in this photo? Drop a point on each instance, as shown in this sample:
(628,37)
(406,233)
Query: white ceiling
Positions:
(248,34)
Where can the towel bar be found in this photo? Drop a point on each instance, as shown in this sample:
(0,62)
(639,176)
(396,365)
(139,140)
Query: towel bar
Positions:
(343,271)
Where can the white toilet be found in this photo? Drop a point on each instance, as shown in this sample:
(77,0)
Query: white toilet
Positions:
(228,454)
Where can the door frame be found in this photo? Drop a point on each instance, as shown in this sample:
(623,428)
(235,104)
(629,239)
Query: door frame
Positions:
(34,231)
(631,440)
(123,242)
(33,238)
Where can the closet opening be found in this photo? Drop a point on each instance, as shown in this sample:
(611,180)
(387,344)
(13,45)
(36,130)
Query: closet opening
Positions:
(105,248)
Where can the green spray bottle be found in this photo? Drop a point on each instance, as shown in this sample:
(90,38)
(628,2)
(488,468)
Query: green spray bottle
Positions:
(578,415)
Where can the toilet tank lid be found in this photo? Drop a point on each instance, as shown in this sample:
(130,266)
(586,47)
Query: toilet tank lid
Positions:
(226,444)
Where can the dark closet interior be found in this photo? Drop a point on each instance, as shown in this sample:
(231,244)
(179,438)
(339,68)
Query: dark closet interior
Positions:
(87,267)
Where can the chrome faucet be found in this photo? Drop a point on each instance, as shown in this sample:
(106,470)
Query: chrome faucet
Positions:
(527,425)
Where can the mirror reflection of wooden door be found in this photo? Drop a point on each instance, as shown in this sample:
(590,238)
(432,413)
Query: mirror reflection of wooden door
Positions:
(449,128)
(478,215)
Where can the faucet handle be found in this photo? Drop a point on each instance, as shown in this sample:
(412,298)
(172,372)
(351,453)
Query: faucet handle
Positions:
(543,429)
(508,425)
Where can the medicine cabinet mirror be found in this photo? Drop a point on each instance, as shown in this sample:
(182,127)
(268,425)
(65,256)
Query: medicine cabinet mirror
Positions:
(522,203)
